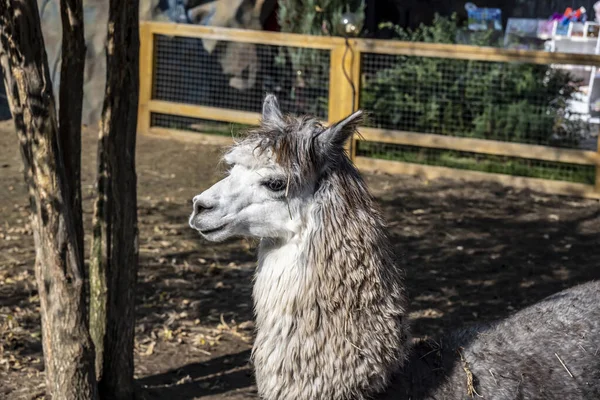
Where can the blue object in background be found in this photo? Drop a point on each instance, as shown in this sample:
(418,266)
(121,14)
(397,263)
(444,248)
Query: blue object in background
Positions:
(177,12)
(483,19)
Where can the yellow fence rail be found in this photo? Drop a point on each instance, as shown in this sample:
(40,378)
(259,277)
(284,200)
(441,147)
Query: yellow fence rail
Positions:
(344,75)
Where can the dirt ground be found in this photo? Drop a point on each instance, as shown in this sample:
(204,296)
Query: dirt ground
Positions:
(473,252)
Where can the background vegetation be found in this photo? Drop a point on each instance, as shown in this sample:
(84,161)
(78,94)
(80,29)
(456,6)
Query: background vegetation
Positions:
(503,101)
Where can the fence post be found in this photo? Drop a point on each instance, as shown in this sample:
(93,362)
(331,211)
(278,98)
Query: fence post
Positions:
(146,76)
(344,72)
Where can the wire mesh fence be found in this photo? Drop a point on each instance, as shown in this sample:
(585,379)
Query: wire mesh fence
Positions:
(470,161)
(197,125)
(512,102)
(235,75)
(511,99)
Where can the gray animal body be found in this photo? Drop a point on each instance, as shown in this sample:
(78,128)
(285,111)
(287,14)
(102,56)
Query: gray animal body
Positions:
(549,350)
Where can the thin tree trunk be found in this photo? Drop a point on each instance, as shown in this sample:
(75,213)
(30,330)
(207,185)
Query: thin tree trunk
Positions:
(113,268)
(71,104)
(68,350)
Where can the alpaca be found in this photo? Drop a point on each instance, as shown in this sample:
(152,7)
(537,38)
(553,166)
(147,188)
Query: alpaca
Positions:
(330,301)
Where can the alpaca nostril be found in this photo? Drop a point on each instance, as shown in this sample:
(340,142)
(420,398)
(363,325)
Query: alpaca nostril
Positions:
(199,207)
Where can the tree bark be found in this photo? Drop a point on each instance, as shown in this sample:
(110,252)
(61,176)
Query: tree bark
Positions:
(68,350)
(71,105)
(113,268)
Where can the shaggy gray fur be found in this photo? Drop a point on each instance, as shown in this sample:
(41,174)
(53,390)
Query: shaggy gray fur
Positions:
(516,358)
(340,331)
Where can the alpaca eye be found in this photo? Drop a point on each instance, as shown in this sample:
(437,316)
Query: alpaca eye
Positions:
(275,185)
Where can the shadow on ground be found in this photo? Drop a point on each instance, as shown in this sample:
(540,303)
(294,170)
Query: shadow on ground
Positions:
(472,260)
(219,375)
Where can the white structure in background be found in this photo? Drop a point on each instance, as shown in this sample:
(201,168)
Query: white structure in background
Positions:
(574,37)
(580,38)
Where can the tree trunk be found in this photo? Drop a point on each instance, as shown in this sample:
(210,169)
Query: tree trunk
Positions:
(71,104)
(113,268)
(68,351)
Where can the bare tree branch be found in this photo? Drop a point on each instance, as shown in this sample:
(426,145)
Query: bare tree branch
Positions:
(113,268)
(68,350)
(71,103)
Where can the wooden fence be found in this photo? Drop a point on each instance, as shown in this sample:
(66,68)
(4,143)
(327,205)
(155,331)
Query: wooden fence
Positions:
(342,102)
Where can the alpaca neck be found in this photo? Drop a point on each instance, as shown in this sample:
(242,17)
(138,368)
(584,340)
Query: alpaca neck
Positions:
(329,306)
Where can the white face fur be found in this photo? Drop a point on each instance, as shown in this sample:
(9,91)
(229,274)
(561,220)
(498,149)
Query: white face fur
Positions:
(250,201)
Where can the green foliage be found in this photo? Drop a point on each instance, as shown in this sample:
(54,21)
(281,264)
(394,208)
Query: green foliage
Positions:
(312,17)
(315,17)
(504,101)
(443,30)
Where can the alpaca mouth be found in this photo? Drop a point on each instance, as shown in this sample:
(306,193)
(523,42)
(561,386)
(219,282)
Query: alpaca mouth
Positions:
(209,231)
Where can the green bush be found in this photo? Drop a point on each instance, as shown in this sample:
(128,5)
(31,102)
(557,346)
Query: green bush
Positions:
(309,88)
(504,101)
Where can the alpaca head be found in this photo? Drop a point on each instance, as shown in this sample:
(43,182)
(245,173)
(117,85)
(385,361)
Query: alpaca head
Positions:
(273,175)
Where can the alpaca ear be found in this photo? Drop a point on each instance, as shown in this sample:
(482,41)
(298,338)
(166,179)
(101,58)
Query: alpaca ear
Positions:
(337,134)
(270,110)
